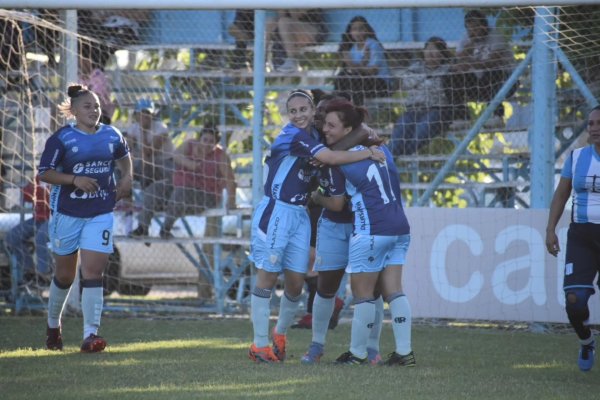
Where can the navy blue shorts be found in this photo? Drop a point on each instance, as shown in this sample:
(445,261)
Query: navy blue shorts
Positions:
(582,261)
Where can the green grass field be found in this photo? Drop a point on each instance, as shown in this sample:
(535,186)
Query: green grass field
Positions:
(206,359)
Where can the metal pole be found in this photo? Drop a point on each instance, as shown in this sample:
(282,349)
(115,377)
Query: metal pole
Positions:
(544,110)
(258,104)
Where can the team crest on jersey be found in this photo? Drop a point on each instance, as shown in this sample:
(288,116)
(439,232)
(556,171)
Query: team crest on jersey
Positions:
(75,149)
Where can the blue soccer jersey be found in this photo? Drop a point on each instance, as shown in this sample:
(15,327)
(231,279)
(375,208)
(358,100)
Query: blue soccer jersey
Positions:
(375,196)
(287,168)
(72,151)
(583,168)
(333,185)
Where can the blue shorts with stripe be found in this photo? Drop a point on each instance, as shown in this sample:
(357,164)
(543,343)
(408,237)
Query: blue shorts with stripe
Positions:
(286,244)
(333,241)
(69,234)
(372,253)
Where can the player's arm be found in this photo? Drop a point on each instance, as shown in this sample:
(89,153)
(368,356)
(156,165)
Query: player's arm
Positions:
(338,157)
(557,207)
(126,180)
(333,203)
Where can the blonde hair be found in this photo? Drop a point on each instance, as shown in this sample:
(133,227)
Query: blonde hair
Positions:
(73,91)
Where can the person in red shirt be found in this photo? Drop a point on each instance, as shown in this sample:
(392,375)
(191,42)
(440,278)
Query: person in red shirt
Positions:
(202,171)
(18,238)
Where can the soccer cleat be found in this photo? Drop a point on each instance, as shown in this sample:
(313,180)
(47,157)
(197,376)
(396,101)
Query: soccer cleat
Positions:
(407,360)
(93,344)
(350,359)
(304,323)
(586,356)
(54,338)
(337,309)
(279,342)
(262,354)
(313,355)
(374,357)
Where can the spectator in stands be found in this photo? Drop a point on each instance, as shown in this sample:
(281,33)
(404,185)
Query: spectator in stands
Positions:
(483,62)
(202,171)
(579,181)
(364,70)
(18,239)
(93,57)
(242,29)
(152,148)
(428,112)
(296,29)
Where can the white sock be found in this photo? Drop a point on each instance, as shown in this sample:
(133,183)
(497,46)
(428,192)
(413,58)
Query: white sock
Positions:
(92,299)
(259,313)
(364,314)
(375,335)
(56,303)
(287,312)
(322,311)
(401,324)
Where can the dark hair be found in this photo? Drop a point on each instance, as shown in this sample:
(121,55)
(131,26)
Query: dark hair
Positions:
(333,95)
(441,45)
(74,91)
(348,113)
(347,41)
(478,17)
(300,93)
(210,129)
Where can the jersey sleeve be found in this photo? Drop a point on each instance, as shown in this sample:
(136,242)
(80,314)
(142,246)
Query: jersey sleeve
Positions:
(567,170)
(122,148)
(305,146)
(336,182)
(53,154)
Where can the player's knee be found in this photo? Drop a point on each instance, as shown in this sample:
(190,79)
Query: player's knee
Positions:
(577,303)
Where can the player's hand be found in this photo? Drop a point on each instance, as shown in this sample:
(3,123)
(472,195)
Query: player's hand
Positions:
(376,154)
(316,163)
(124,188)
(552,243)
(87,184)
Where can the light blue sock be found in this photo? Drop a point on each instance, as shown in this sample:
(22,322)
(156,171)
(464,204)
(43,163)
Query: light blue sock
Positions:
(322,310)
(56,302)
(364,314)
(92,299)
(375,335)
(287,312)
(260,303)
(401,324)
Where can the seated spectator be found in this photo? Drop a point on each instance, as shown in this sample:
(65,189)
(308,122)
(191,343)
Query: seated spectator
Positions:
(150,144)
(364,70)
(428,112)
(17,240)
(202,171)
(483,62)
(296,29)
(242,29)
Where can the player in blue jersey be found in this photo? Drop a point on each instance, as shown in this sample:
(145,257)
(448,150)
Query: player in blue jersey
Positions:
(280,224)
(333,236)
(79,161)
(580,175)
(381,235)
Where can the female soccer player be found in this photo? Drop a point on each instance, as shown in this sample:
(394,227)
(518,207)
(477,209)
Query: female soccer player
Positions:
(78,161)
(280,225)
(580,176)
(379,243)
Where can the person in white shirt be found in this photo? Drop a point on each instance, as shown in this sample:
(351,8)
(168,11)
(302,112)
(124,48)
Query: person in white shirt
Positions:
(150,144)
